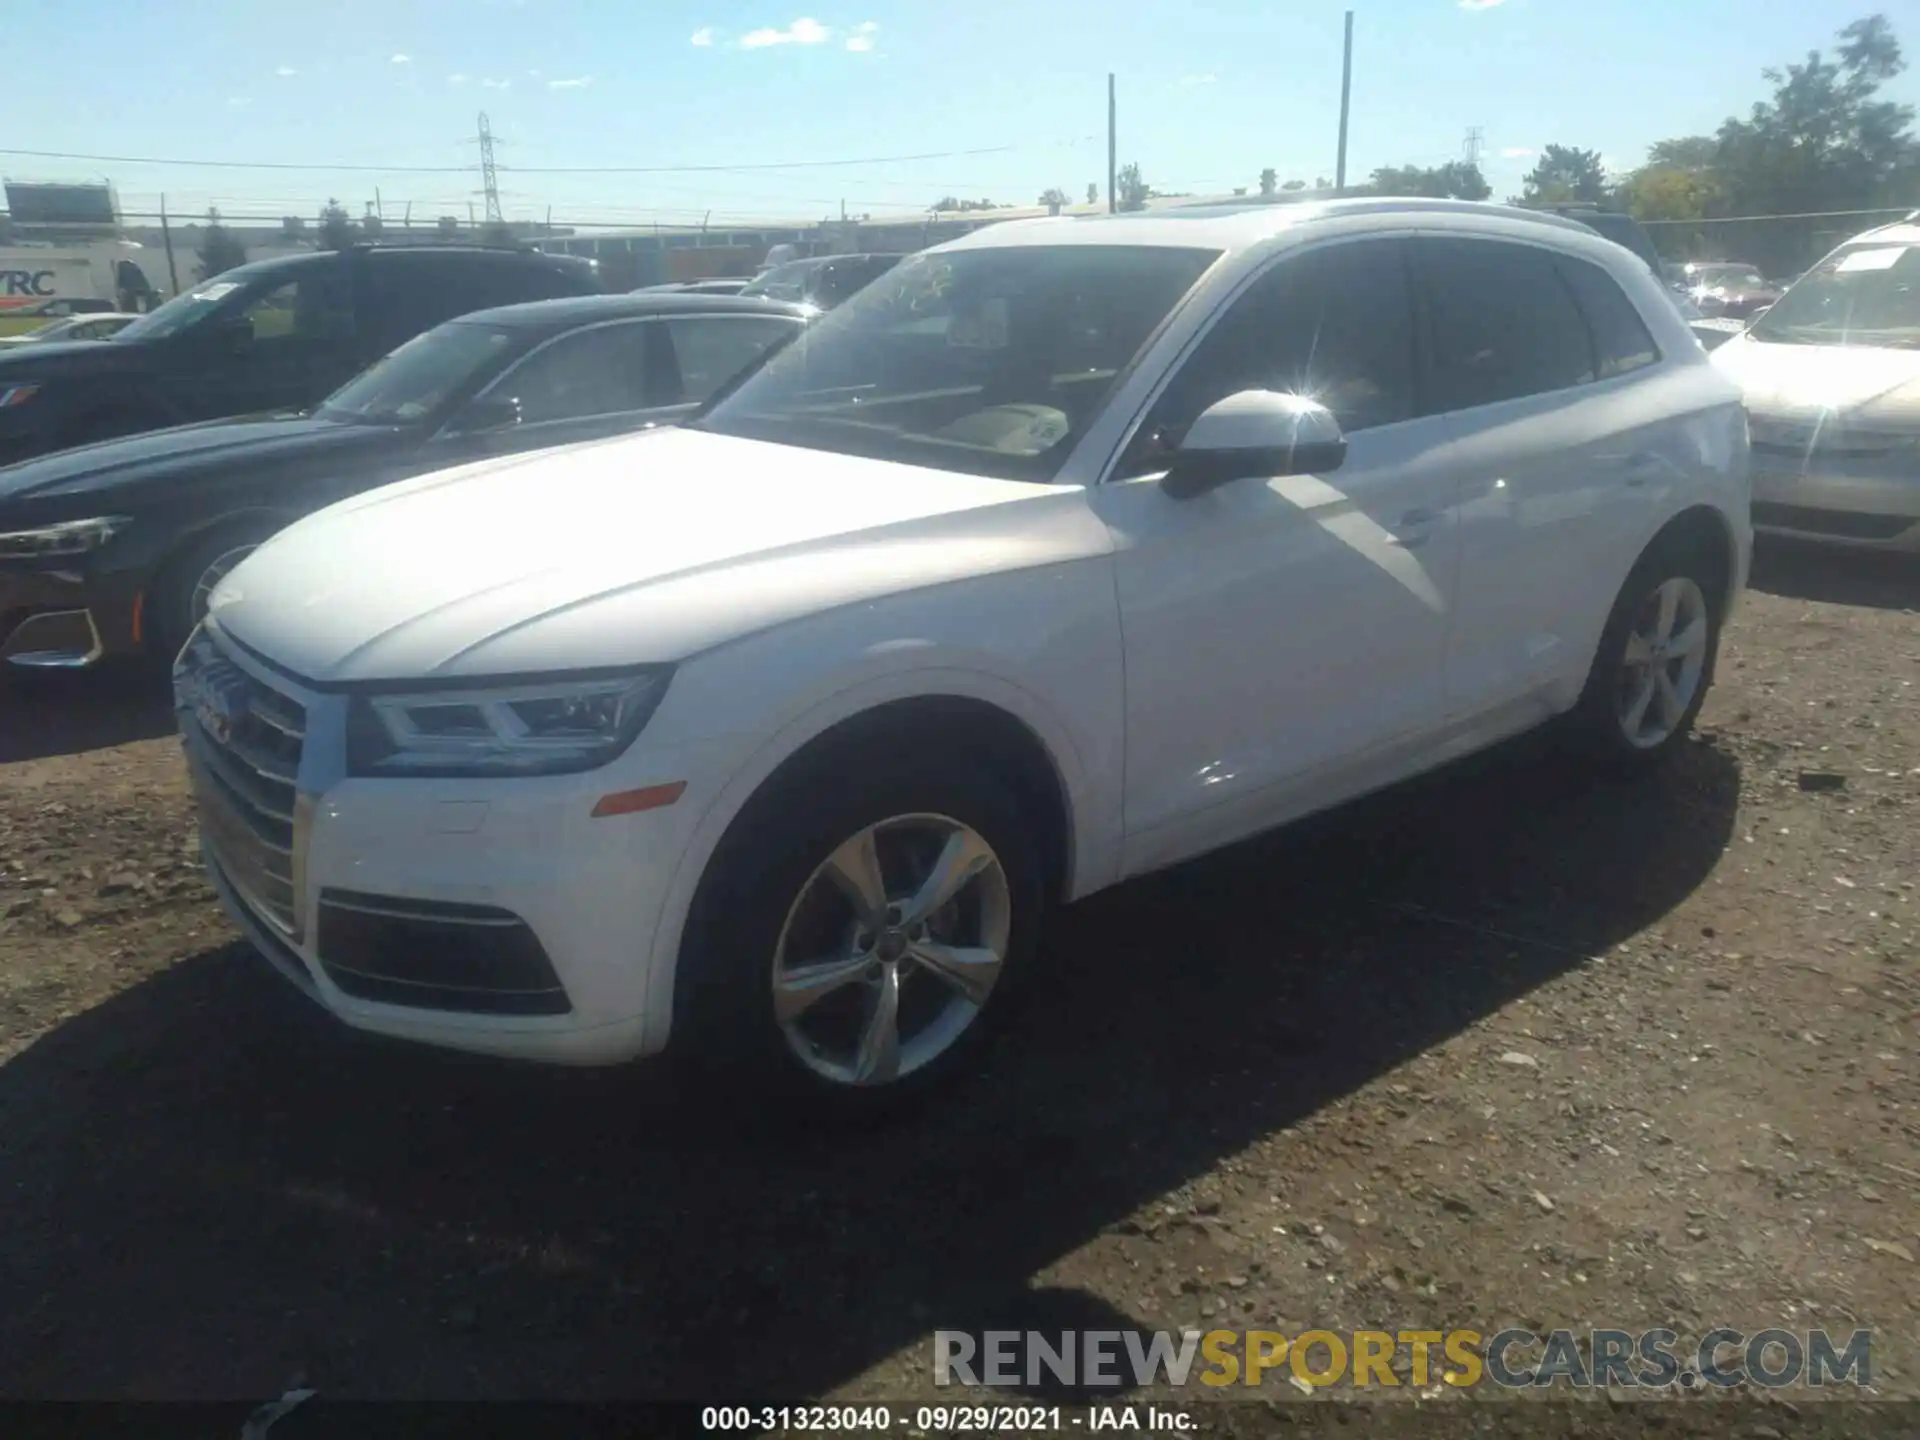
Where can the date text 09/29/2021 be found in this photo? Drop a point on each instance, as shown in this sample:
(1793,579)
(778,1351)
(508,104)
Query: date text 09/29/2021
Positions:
(943,1419)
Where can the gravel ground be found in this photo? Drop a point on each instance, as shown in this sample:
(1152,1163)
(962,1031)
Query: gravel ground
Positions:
(1504,1046)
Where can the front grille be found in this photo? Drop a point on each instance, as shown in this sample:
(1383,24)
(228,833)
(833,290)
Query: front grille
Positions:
(243,740)
(1842,524)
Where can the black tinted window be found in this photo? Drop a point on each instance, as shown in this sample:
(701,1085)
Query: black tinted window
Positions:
(709,350)
(1620,339)
(595,372)
(1501,324)
(1335,324)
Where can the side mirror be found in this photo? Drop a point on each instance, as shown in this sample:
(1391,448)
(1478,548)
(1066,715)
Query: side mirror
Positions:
(1255,433)
(483,417)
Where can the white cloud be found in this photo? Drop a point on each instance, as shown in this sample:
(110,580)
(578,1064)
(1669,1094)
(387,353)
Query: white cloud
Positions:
(1205,78)
(703,37)
(456,78)
(496,84)
(578,82)
(401,60)
(534,73)
(286,70)
(1480,4)
(1517,152)
(803,31)
(861,41)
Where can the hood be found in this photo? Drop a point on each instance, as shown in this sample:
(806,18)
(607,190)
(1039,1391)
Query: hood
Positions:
(49,359)
(645,548)
(1874,385)
(128,463)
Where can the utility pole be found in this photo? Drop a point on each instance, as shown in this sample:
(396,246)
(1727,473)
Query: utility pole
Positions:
(166,236)
(1113,146)
(1470,149)
(1346,96)
(489,181)
(381,214)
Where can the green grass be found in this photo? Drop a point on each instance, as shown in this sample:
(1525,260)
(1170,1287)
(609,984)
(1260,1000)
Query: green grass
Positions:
(20,324)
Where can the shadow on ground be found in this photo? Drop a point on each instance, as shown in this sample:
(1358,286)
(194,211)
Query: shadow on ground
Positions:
(67,713)
(212,1190)
(1799,571)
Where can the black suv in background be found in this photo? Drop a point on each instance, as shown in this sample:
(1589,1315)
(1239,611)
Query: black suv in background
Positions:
(278,334)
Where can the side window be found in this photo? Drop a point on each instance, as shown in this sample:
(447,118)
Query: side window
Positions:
(1501,324)
(1334,323)
(315,306)
(594,372)
(1620,338)
(399,300)
(710,350)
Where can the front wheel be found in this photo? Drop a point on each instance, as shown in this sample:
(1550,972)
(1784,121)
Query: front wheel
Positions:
(178,602)
(858,944)
(1655,661)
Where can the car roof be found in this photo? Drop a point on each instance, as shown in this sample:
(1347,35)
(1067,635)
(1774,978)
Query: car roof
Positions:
(584,309)
(1235,228)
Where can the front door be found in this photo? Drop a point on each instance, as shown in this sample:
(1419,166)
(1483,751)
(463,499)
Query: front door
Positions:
(1278,631)
(285,348)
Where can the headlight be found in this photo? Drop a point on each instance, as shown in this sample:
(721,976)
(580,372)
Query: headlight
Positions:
(541,728)
(74,537)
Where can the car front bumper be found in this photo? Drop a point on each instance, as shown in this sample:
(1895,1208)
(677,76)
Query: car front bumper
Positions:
(1864,503)
(65,619)
(498,917)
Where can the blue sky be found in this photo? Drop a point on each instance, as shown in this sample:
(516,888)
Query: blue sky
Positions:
(1210,92)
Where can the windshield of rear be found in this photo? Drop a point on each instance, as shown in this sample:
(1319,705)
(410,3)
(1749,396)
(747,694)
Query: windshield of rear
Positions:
(424,376)
(989,361)
(1727,276)
(784,282)
(192,307)
(1864,294)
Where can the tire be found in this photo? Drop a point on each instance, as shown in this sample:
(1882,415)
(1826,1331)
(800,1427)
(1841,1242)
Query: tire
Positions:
(1638,707)
(771,906)
(178,601)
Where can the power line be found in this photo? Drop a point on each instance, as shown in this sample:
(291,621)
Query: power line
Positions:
(532,169)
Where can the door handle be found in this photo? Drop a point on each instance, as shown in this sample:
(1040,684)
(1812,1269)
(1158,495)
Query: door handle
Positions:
(1416,528)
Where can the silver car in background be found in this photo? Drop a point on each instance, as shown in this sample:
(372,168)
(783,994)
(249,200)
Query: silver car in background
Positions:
(1831,374)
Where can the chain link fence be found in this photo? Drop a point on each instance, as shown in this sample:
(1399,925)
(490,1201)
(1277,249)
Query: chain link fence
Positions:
(1781,246)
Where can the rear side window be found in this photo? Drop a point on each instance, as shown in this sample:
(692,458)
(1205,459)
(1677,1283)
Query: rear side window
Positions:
(1500,324)
(1621,342)
(709,350)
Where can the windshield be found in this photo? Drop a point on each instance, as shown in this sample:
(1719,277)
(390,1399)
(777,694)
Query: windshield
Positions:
(1718,276)
(50,329)
(189,307)
(420,378)
(989,361)
(1860,295)
(784,282)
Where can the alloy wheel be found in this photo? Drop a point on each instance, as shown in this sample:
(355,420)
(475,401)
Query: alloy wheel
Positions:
(891,949)
(211,577)
(1664,662)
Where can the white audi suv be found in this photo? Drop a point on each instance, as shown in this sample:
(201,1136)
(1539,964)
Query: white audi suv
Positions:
(1059,554)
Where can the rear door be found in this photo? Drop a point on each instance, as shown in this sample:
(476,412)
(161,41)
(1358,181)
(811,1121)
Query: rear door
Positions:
(1531,357)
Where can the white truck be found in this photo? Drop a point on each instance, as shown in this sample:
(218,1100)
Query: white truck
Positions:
(41,281)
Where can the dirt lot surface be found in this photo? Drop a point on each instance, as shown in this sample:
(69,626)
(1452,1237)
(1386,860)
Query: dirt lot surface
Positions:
(1504,1047)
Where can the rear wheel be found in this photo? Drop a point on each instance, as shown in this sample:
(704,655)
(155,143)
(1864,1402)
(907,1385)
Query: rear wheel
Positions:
(856,947)
(1655,661)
